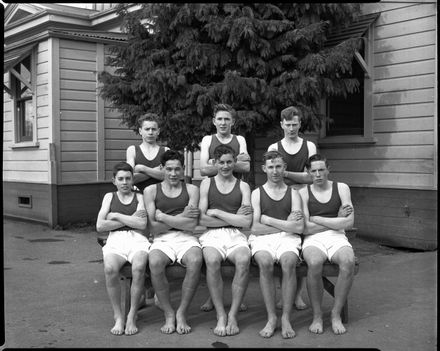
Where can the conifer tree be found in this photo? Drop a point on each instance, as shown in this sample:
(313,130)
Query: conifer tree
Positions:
(183,58)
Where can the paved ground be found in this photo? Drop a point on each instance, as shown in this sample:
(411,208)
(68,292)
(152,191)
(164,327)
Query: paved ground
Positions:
(55,297)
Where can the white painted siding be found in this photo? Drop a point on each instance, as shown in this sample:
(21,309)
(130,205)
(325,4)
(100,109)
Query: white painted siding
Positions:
(29,164)
(404,103)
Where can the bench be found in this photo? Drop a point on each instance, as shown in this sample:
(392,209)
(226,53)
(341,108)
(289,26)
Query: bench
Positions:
(175,272)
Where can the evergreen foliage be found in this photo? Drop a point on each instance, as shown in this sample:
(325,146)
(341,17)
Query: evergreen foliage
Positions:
(183,58)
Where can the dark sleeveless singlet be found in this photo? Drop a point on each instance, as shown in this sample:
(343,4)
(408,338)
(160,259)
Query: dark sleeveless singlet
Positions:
(140,159)
(279,209)
(328,209)
(118,207)
(295,162)
(171,205)
(230,202)
(234,144)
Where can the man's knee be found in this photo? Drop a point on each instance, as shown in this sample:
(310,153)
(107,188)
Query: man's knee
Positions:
(111,270)
(265,264)
(193,260)
(158,263)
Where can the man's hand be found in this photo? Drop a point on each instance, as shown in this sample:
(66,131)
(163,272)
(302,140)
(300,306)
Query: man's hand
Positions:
(345,210)
(191,212)
(263,219)
(140,213)
(211,212)
(296,215)
(243,157)
(245,210)
(158,215)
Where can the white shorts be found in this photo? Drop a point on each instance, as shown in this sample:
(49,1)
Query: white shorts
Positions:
(328,241)
(225,240)
(125,243)
(174,244)
(276,244)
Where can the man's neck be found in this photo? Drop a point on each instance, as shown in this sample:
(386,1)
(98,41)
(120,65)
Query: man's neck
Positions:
(221,178)
(224,136)
(324,186)
(290,140)
(275,185)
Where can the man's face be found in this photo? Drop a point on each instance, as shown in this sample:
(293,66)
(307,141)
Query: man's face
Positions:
(291,127)
(123,180)
(173,171)
(274,169)
(225,165)
(319,172)
(223,122)
(149,131)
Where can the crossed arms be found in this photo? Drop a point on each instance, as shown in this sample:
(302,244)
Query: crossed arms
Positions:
(108,221)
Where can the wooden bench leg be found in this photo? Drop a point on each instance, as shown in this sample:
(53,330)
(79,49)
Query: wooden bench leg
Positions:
(125,294)
(330,288)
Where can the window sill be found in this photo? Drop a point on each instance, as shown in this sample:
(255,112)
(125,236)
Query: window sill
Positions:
(26,145)
(345,141)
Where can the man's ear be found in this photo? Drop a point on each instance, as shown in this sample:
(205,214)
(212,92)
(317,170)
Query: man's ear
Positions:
(263,167)
(113,181)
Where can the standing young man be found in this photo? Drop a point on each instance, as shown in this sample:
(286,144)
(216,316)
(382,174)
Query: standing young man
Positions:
(328,211)
(296,151)
(145,158)
(225,208)
(223,120)
(123,214)
(172,208)
(276,221)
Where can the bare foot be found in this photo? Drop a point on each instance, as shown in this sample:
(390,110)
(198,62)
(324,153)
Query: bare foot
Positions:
(299,303)
(170,324)
(181,326)
(130,326)
(269,329)
(220,328)
(316,326)
(243,307)
(207,306)
(232,326)
(287,331)
(337,326)
(118,328)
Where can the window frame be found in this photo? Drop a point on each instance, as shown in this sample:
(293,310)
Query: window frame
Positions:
(367,138)
(18,141)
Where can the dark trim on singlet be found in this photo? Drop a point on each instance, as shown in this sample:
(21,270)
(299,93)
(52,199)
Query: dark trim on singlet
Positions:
(295,162)
(140,159)
(229,202)
(279,209)
(329,209)
(118,207)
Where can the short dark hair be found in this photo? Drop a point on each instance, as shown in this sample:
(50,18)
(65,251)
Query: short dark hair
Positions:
(149,116)
(313,158)
(289,112)
(122,166)
(172,155)
(225,107)
(221,150)
(271,155)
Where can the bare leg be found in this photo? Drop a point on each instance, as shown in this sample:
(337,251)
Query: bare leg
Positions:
(299,302)
(288,288)
(158,262)
(214,281)
(344,257)
(267,286)
(137,288)
(208,306)
(315,259)
(192,260)
(241,258)
(112,266)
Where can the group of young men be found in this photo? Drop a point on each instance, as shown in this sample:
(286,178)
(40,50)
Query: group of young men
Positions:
(298,213)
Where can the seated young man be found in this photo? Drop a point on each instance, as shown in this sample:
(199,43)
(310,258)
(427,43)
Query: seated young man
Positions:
(276,221)
(225,208)
(172,208)
(328,211)
(123,214)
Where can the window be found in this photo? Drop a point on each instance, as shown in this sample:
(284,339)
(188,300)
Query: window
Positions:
(350,118)
(22,78)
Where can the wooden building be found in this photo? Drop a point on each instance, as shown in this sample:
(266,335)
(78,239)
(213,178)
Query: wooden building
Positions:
(60,139)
